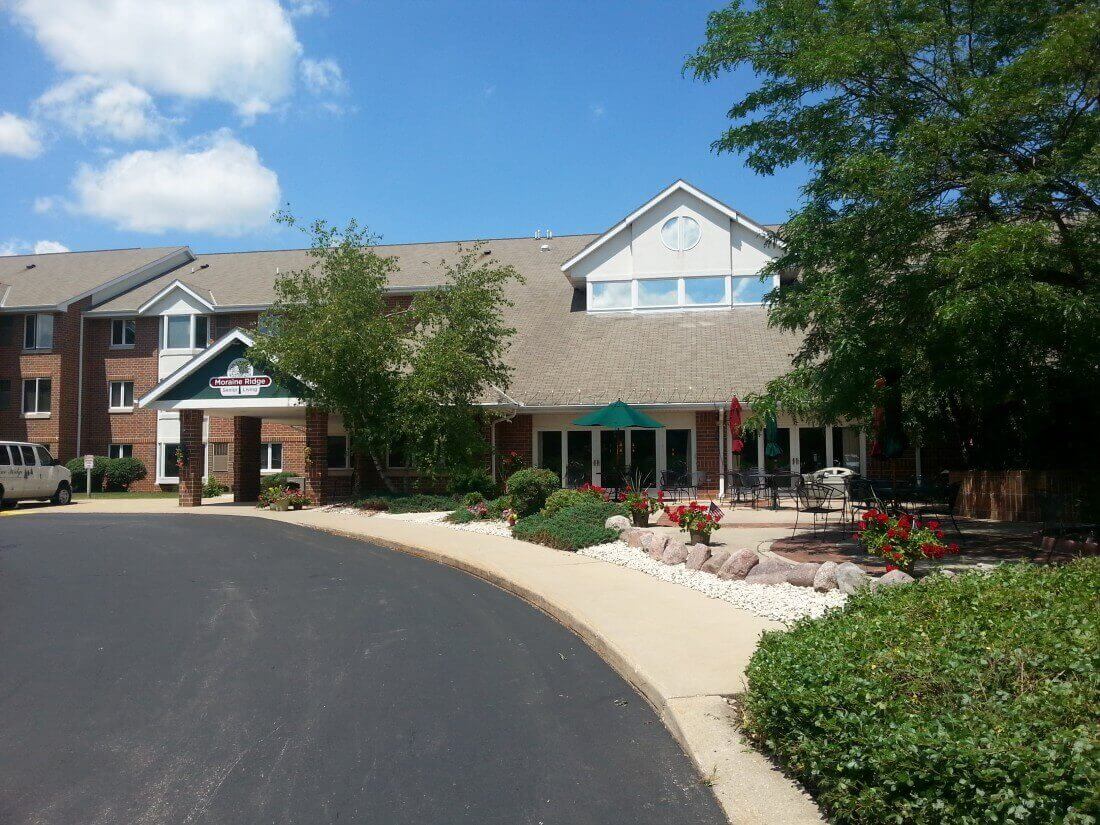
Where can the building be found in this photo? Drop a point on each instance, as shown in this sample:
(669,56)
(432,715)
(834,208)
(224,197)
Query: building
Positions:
(103,352)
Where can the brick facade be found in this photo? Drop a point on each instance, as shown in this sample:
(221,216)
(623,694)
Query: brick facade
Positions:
(707,450)
(191,468)
(515,436)
(316,470)
(245,458)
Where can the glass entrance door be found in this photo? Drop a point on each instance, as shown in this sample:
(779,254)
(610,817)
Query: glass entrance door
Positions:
(612,457)
(643,458)
(811,449)
(578,459)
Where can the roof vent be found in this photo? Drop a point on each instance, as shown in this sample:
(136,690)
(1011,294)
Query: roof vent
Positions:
(549,234)
(203,266)
(538,234)
(545,247)
(31,266)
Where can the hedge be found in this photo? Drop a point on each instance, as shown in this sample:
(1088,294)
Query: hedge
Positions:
(571,528)
(961,700)
(561,499)
(415,503)
(117,473)
(530,487)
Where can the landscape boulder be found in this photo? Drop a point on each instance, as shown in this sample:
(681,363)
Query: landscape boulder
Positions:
(803,575)
(770,570)
(634,536)
(891,579)
(697,556)
(825,580)
(655,545)
(715,562)
(739,565)
(850,577)
(619,523)
(676,552)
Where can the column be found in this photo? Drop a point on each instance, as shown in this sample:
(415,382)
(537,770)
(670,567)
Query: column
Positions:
(246,458)
(191,467)
(316,474)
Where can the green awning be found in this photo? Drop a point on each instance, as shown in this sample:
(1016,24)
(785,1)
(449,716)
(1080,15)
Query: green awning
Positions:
(618,416)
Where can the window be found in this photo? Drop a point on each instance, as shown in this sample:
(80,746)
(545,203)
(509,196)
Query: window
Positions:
(171,467)
(749,289)
(38,332)
(680,234)
(123,332)
(397,457)
(609,295)
(695,291)
(337,452)
(702,291)
(219,457)
(5,459)
(36,396)
(5,393)
(271,457)
(549,450)
(16,456)
(28,455)
(658,292)
(186,331)
(122,395)
(44,457)
(120,451)
(678,451)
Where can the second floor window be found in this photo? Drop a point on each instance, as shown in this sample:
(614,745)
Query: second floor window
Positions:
(38,332)
(123,332)
(36,396)
(122,395)
(186,332)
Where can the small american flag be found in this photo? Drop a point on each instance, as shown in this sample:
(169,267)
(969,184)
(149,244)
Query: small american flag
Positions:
(715,512)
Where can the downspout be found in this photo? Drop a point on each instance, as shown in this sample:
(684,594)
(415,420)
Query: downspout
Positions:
(80,388)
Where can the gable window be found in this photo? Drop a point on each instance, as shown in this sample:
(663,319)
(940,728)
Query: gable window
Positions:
(36,396)
(609,295)
(705,291)
(658,292)
(122,395)
(186,332)
(690,292)
(681,233)
(123,333)
(38,332)
(120,451)
(749,289)
(271,457)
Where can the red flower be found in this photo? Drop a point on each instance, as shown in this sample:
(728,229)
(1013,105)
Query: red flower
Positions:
(891,567)
(933,525)
(954,548)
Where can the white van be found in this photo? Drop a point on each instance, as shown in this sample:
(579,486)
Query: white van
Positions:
(28,471)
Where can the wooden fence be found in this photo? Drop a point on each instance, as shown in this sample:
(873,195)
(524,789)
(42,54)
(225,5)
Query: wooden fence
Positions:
(1015,495)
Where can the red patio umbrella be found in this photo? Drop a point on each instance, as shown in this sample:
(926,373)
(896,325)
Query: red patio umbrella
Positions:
(735,426)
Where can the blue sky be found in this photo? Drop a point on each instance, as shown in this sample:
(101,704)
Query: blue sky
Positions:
(150,122)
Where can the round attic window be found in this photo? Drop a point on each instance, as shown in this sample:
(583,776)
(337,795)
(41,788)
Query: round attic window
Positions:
(680,234)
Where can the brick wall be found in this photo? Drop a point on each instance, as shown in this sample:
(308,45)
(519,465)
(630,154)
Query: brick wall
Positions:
(706,446)
(516,435)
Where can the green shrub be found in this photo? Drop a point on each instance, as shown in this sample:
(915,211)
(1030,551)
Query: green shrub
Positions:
(529,489)
(415,503)
(274,481)
(961,700)
(80,475)
(470,499)
(572,528)
(498,505)
(561,499)
(375,503)
(461,516)
(120,473)
(212,487)
(471,480)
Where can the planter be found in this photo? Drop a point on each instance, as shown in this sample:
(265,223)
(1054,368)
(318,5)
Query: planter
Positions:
(641,519)
(699,538)
(280,506)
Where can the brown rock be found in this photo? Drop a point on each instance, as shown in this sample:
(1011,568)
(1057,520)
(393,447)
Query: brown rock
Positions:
(738,565)
(697,556)
(633,536)
(655,547)
(716,560)
(770,570)
(676,552)
(825,580)
(803,575)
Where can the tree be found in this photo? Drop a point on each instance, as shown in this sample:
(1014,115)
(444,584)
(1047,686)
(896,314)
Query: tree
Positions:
(950,228)
(396,374)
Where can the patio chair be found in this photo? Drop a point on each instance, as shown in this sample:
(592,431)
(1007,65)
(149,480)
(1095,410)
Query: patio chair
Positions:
(942,503)
(817,500)
(735,486)
(786,485)
(862,496)
(754,482)
(672,482)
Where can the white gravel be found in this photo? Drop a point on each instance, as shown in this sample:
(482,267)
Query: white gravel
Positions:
(781,602)
(488,528)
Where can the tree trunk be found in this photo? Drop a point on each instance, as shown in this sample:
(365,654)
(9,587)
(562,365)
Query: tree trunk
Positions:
(382,475)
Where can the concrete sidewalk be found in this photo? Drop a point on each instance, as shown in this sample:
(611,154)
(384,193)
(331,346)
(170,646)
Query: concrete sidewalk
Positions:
(683,651)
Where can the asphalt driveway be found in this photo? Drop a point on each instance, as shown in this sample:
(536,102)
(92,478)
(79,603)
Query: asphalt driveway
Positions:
(206,669)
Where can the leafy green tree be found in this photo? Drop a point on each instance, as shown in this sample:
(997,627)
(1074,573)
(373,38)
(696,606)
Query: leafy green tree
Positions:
(949,235)
(409,375)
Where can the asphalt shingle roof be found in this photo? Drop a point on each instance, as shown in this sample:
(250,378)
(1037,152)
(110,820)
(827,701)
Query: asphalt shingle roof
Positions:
(54,278)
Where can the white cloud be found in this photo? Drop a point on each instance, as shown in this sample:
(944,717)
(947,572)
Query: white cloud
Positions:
(323,77)
(16,247)
(243,52)
(44,203)
(43,247)
(89,105)
(307,8)
(18,137)
(597,110)
(212,184)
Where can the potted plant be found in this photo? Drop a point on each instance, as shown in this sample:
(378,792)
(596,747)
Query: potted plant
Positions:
(694,519)
(902,541)
(296,499)
(641,505)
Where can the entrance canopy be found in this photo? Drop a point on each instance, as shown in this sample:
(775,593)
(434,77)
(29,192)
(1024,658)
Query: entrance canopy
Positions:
(222,382)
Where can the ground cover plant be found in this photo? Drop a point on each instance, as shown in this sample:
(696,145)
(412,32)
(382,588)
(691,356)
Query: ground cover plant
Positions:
(963,700)
(414,503)
(572,528)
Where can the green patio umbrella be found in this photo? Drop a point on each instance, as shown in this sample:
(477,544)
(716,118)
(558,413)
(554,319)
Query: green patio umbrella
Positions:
(771,438)
(618,416)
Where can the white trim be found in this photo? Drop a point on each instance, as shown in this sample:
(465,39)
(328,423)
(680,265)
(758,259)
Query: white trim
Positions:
(176,284)
(174,378)
(141,270)
(679,186)
(239,403)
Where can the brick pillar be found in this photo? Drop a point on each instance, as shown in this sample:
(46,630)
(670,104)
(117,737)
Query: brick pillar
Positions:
(193,458)
(246,458)
(706,447)
(316,474)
